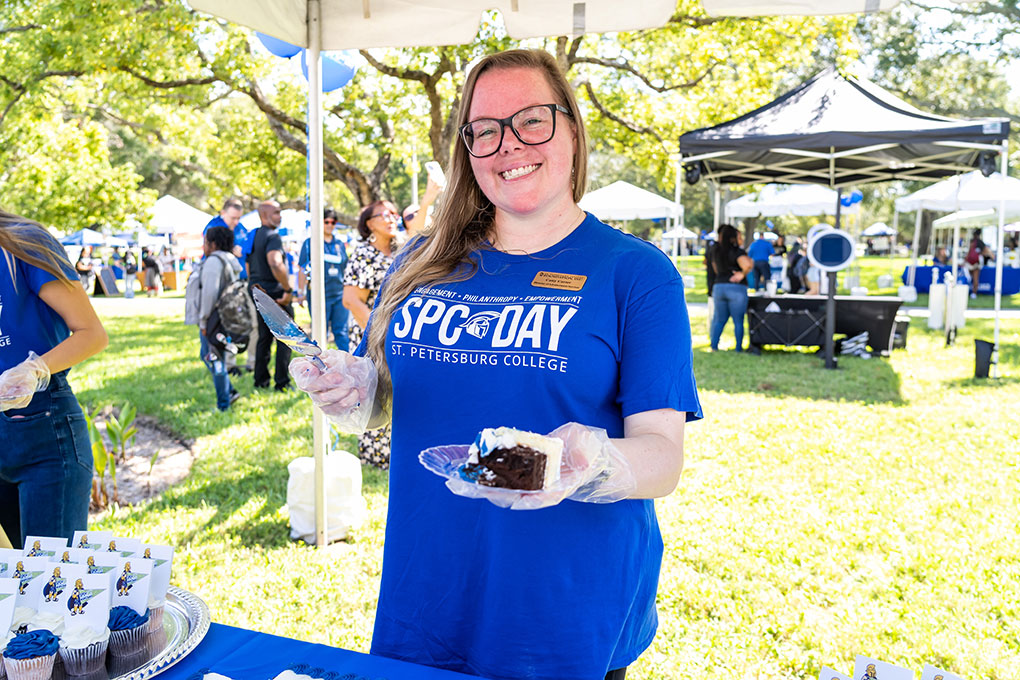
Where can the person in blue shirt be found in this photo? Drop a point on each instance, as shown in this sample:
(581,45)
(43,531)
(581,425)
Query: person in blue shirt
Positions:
(760,252)
(230,217)
(334,261)
(519,309)
(47,325)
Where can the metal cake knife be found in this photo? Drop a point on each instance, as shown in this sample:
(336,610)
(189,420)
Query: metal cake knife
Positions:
(284,328)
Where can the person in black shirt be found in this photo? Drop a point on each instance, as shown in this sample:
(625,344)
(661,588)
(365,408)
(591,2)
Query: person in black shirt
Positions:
(731,265)
(268,269)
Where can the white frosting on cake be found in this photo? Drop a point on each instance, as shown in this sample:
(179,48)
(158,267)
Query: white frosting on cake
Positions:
(47,621)
(491,439)
(291,675)
(81,636)
(22,617)
(155,602)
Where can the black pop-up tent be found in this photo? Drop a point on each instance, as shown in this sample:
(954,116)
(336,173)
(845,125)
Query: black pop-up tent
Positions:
(837,130)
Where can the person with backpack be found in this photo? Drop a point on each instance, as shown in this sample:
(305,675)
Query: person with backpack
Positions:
(797,266)
(215,274)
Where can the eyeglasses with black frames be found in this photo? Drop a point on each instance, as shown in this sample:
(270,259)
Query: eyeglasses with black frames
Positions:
(532,126)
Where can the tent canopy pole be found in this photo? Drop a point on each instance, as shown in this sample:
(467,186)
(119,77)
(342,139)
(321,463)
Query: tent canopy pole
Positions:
(998,255)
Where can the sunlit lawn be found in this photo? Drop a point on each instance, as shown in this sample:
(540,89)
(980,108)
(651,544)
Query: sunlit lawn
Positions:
(821,513)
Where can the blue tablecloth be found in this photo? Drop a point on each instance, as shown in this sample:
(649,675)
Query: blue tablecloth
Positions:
(246,655)
(986,282)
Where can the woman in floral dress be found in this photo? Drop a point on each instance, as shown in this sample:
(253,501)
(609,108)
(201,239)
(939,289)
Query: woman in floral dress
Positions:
(365,271)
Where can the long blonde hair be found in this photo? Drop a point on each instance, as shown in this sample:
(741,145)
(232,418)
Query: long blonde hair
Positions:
(26,240)
(465,218)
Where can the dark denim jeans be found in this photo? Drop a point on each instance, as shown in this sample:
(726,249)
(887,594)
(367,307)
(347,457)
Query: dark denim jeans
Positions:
(218,367)
(336,320)
(730,302)
(45,466)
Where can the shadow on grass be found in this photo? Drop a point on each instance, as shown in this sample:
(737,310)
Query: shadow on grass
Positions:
(797,373)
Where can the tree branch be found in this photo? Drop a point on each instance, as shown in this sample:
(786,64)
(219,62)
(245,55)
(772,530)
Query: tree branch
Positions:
(403,74)
(639,129)
(169,84)
(621,65)
(19,29)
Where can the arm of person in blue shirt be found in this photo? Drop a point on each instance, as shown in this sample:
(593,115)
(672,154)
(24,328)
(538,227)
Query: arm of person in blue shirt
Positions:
(88,337)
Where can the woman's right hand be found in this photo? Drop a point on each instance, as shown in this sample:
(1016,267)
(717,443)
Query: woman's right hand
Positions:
(19,384)
(345,391)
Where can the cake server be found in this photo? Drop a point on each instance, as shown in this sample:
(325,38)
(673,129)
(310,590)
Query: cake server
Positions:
(284,328)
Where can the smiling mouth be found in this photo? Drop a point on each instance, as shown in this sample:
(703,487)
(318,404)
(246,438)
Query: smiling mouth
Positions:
(519,172)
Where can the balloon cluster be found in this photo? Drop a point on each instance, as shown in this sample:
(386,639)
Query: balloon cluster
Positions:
(854,196)
(335,74)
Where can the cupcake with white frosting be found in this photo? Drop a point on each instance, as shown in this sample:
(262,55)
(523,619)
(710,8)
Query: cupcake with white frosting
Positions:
(156,607)
(83,649)
(22,617)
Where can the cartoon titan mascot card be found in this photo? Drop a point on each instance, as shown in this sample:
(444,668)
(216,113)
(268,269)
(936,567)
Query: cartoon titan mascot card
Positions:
(30,572)
(87,600)
(8,595)
(8,557)
(42,546)
(59,577)
(92,540)
(828,674)
(71,556)
(866,668)
(162,557)
(933,673)
(125,546)
(131,581)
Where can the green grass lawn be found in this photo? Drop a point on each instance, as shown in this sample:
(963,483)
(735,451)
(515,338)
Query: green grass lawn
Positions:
(869,269)
(821,514)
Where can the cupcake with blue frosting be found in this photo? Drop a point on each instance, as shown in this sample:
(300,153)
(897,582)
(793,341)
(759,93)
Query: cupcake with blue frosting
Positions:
(30,656)
(127,631)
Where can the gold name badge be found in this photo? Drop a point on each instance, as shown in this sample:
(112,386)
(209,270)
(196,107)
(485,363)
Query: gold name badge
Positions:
(559,281)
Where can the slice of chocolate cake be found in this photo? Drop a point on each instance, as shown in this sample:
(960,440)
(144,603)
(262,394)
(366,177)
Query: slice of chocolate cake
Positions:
(513,459)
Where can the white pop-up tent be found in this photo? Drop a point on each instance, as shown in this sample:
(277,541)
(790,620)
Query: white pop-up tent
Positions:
(171,215)
(623,201)
(803,200)
(878,229)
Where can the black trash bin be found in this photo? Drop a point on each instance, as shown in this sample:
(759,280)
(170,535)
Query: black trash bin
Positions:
(982,358)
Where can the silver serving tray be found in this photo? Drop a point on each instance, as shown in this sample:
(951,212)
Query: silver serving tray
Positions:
(185,622)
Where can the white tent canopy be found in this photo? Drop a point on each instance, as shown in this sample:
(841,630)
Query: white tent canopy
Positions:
(804,200)
(972,191)
(623,201)
(750,8)
(679,233)
(173,216)
(878,229)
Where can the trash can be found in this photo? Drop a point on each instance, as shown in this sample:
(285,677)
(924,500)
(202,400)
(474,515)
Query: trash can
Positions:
(982,358)
(900,328)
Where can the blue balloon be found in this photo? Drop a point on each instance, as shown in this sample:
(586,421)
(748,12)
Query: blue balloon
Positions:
(278,47)
(847,200)
(334,74)
(768,223)
(856,196)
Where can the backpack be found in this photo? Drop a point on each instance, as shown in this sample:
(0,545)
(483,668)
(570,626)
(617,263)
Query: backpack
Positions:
(233,310)
(974,254)
(801,266)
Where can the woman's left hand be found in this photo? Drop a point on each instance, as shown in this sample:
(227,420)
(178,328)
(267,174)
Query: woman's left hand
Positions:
(19,383)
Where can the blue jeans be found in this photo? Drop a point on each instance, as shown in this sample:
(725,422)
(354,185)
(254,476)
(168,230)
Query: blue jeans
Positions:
(762,273)
(218,367)
(730,302)
(45,466)
(336,319)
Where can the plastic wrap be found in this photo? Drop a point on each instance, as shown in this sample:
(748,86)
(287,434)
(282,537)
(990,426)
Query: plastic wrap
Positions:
(592,470)
(19,383)
(345,391)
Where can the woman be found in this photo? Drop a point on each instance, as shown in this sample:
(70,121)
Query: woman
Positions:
(84,268)
(153,282)
(377,226)
(217,270)
(731,265)
(48,326)
(518,309)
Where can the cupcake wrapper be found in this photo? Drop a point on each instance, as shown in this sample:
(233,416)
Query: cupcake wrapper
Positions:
(38,668)
(155,621)
(84,660)
(127,642)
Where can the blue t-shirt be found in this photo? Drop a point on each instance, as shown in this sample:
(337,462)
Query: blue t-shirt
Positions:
(240,239)
(760,250)
(26,322)
(334,258)
(561,593)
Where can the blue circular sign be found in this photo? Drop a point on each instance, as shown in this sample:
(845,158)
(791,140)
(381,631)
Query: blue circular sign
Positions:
(831,250)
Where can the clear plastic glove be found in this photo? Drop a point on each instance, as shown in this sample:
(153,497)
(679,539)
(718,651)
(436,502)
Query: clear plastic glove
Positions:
(19,383)
(345,391)
(592,470)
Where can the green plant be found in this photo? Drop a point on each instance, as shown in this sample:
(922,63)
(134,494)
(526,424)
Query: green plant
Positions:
(121,430)
(101,458)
